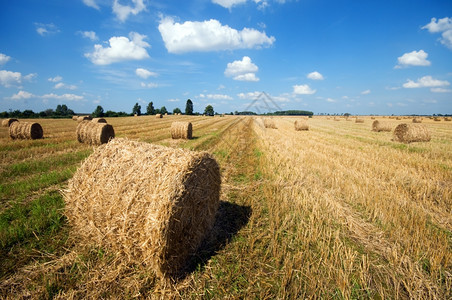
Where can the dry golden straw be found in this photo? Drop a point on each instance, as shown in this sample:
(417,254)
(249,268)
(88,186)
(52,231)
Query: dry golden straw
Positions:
(417,120)
(269,123)
(83,118)
(74,118)
(447,119)
(7,122)
(181,130)
(99,120)
(359,120)
(381,126)
(94,133)
(25,130)
(409,133)
(301,125)
(158,116)
(151,204)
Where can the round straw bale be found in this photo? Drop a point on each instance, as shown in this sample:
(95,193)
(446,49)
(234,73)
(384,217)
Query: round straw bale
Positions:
(447,119)
(150,204)
(181,130)
(436,119)
(301,125)
(417,120)
(99,120)
(83,118)
(359,120)
(94,133)
(408,133)
(25,130)
(158,116)
(74,118)
(381,126)
(7,122)
(269,123)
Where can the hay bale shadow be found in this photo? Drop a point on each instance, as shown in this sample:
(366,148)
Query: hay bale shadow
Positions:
(229,220)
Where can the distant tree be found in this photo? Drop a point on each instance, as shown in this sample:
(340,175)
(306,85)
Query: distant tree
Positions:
(150,109)
(347,115)
(98,112)
(4,114)
(136,109)
(157,110)
(163,110)
(177,111)
(209,110)
(189,107)
(49,112)
(28,114)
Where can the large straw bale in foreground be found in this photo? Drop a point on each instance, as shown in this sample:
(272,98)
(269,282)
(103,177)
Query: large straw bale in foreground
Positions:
(7,122)
(181,130)
(381,126)
(150,204)
(301,125)
(94,133)
(269,123)
(408,133)
(25,130)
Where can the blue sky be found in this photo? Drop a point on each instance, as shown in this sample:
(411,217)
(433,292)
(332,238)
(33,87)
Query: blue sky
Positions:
(362,57)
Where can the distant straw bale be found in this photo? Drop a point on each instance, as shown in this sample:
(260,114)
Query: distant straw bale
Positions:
(158,116)
(381,126)
(301,125)
(25,130)
(7,122)
(150,204)
(447,119)
(94,133)
(269,123)
(74,118)
(417,120)
(181,130)
(398,118)
(84,118)
(359,120)
(409,133)
(372,118)
(436,119)
(99,120)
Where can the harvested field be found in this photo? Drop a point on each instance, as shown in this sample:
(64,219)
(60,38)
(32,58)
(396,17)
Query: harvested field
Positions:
(339,212)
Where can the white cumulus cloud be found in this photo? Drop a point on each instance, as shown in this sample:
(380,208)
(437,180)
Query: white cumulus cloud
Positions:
(414,58)
(123,11)
(444,26)
(143,73)
(228,3)
(4,58)
(121,49)
(315,76)
(242,70)
(209,35)
(9,78)
(426,81)
(91,3)
(303,89)
(89,35)
(62,85)
(22,95)
(57,78)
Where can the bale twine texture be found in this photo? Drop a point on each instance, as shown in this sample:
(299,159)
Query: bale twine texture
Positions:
(94,133)
(408,133)
(181,130)
(301,125)
(269,123)
(99,120)
(381,126)
(151,204)
(158,116)
(25,130)
(7,122)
